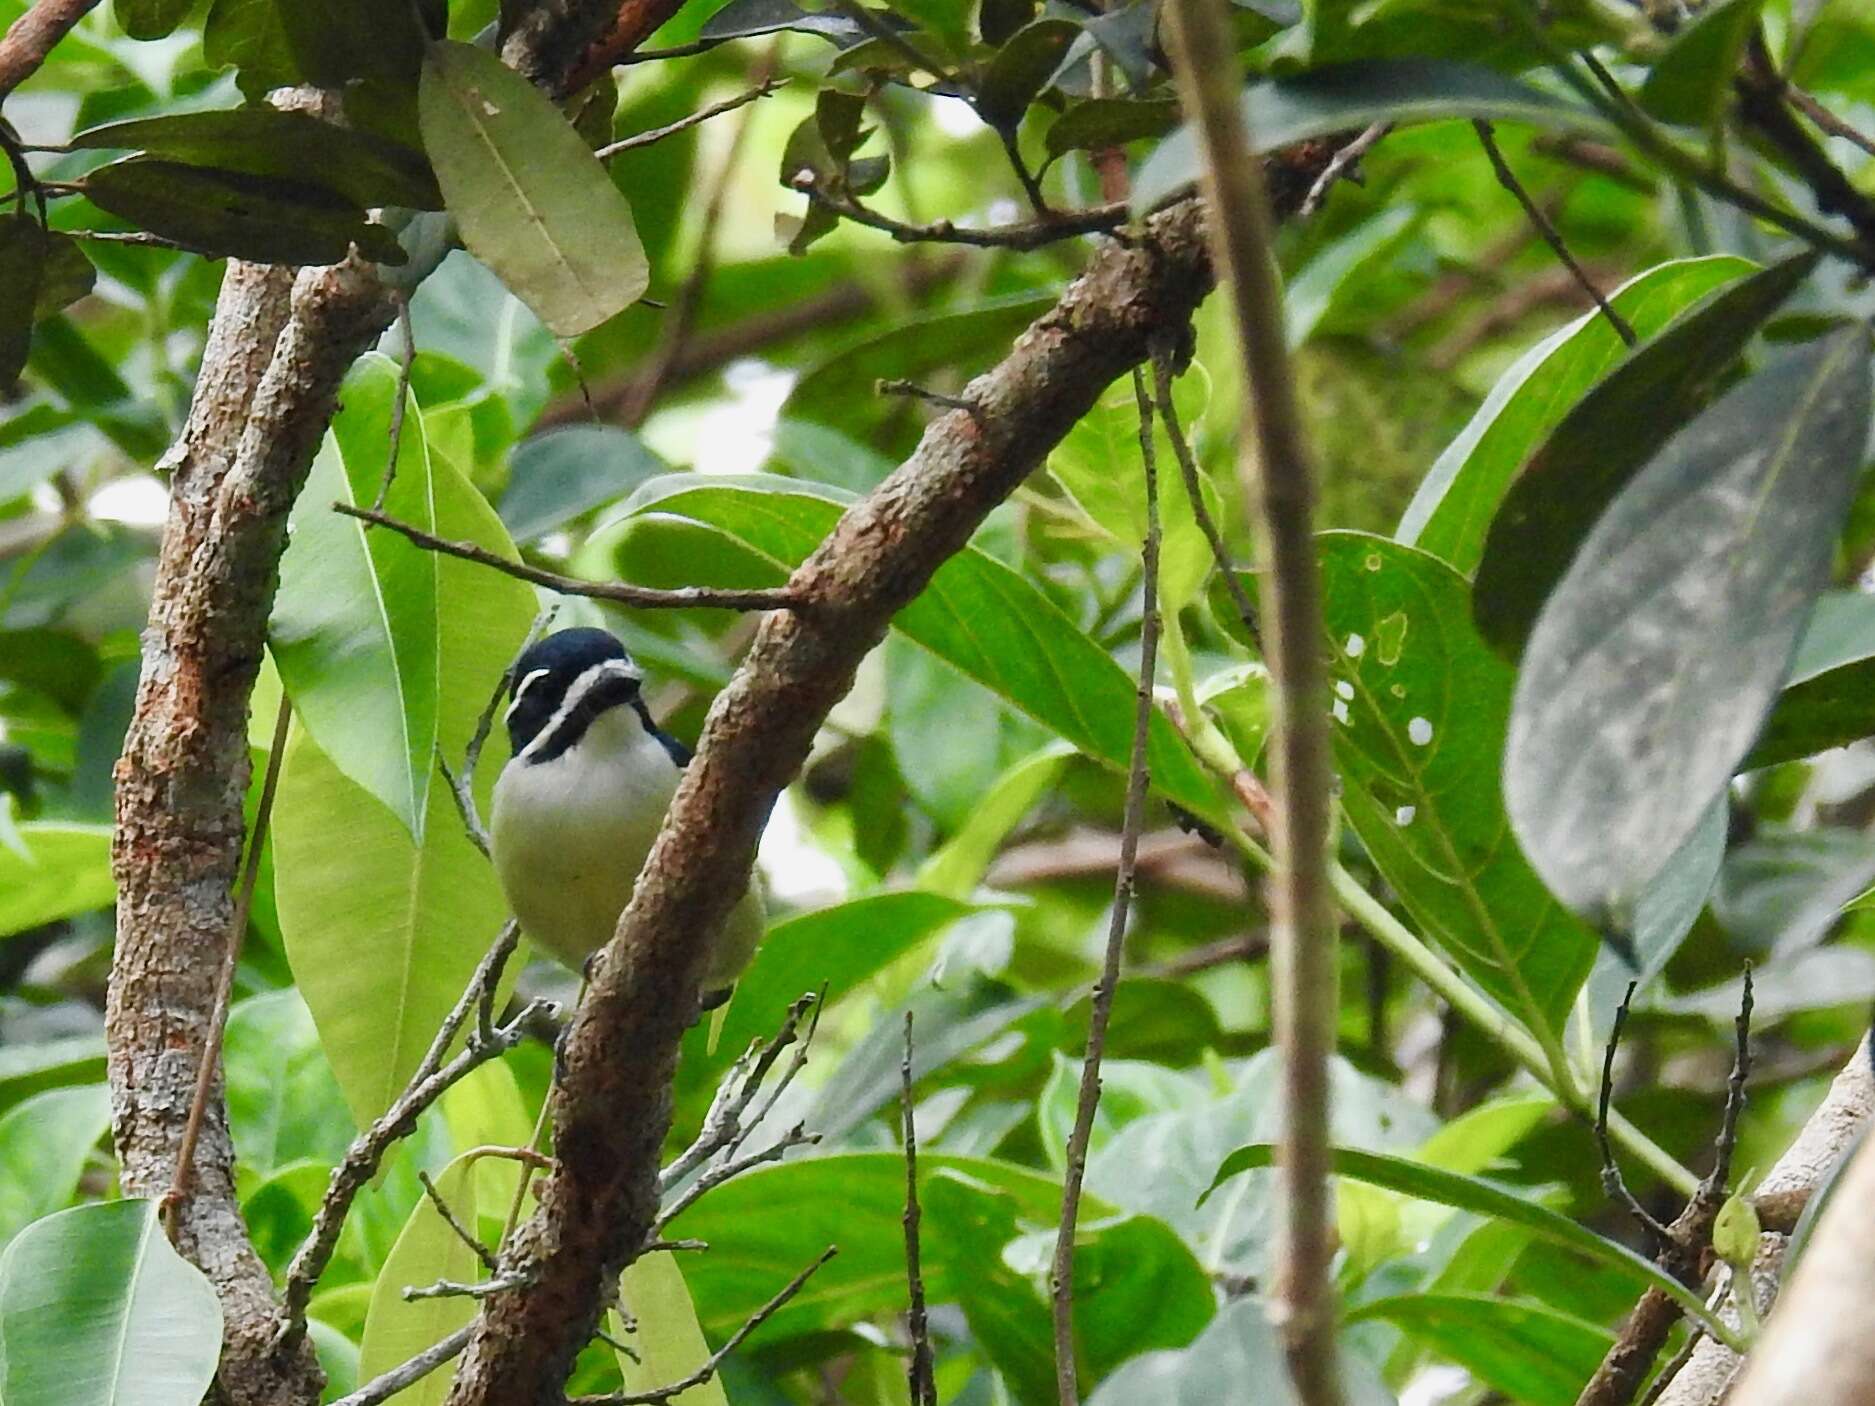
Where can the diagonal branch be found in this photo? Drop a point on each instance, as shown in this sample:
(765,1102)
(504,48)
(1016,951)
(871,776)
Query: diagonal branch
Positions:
(30,38)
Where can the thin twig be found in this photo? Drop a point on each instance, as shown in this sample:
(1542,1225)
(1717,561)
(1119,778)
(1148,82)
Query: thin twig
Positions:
(1061,224)
(641,597)
(131,236)
(708,1369)
(1061,1271)
(695,119)
(1551,236)
(1343,165)
(482,1252)
(1613,1183)
(920,1372)
(733,1167)
(1279,491)
(867,20)
(1194,490)
(462,783)
(401,405)
(224,992)
(1031,187)
(381,1389)
(914,391)
(1827,120)
(454,1289)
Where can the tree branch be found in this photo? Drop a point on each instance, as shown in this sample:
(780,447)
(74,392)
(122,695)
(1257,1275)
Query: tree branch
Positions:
(683,124)
(1278,479)
(1059,225)
(640,597)
(921,1386)
(30,38)
(612,1105)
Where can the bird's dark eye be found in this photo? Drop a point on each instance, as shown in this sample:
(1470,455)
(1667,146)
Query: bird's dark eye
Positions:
(530,712)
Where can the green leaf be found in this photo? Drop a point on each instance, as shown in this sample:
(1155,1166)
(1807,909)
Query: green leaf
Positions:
(956,868)
(263,141)
(248,35)
(1485,1198)
(1532,1353)
(1315,292)
(563,474)
(45,1142)
(1129,1089)
(1006,1316)
(743,19)
(669,1341)
(1829,698)
(427,1250)
(96,1309)
(1021,69)
(349,880)
(388,651)
(1421,712)
(59,870)
(1350,96)
(268,219)
(1593,444)
(1654,661)
(284,1106)
(22,266)
(151,19)
(67,276)
(1692,81)
(977,615)
(1454,506)
(50,1064)
(340,41)
(532,202)
(1105,122)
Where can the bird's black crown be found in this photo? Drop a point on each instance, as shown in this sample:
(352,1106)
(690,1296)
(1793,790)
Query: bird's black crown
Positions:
(562,669)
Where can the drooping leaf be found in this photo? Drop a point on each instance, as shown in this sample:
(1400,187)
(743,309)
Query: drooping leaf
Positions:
(151,19)
(1021,69)
(1350,96)
(264,141)
(390,652)
(1691,81)
(64,869)
(1530,1352)
(557,476)
(1829,698)
(1456,502)
(978,615)
(268,219)
(22,266)
(1581,457)
(959,865)
(426,1251)
(1421,711)
(1654,661)
(1482,1197)
(1104,122)
(45,1142)
(667,1342)
(97,1309)
(67,275)
(532,202)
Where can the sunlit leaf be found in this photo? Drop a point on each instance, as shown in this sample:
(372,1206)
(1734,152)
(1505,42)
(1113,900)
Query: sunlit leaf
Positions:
(668,1343)
(428,1250)
(45,1142)
(64,869)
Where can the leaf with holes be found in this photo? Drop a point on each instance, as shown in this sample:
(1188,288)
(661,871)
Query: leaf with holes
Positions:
(1654,662)
(532,202)
(1421,709)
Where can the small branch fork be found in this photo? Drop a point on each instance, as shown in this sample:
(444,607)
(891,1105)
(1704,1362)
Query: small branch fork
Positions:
(1344,165)
(1679,1248)
(640,597)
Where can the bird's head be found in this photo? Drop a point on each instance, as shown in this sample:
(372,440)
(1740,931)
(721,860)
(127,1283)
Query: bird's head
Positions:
(561,684)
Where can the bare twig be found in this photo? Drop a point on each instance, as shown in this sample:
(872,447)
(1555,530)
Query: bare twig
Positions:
(684,124)
(919,1370)
(218,1023)
(1827,120)
(1598,157)
(1061,1271)
(1343,166)
(1613,1183)
(1279,487)
(381,1389)
(30,38)
(432,1079)
(641,597)
(732,1167)
(462,783)
(482,1252)
(709,1368)
(911,389)
(1761,100)
(1551,236)
(1060,225)
(401,405)
(455,1289)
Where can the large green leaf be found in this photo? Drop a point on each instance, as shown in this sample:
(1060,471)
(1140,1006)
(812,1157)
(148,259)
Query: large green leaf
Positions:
(1485,1198)
(382,934)
(45,1142)
(1653,663)
(1421,712)
(387,651)
(56,871)
(1598,443)
(977,615)
(1829,698)
(96,1309)
(269,219)
(667,1342)
(558,476)
(427,1250)
(264,141)
(1453,508)
(958,866)
(1532,1353)
(532,201)
(50,1064)
(284,1106)
(1350,96)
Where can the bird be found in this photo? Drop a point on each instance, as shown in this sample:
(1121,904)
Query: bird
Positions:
(581,799)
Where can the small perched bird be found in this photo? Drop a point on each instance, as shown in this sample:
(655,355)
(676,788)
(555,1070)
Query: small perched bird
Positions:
(581,801)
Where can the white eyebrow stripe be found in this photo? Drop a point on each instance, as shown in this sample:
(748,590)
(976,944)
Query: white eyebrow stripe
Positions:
(533,677)
(575,694)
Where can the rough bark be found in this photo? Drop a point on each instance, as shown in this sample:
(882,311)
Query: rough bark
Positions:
(612,1103)
(30,38)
